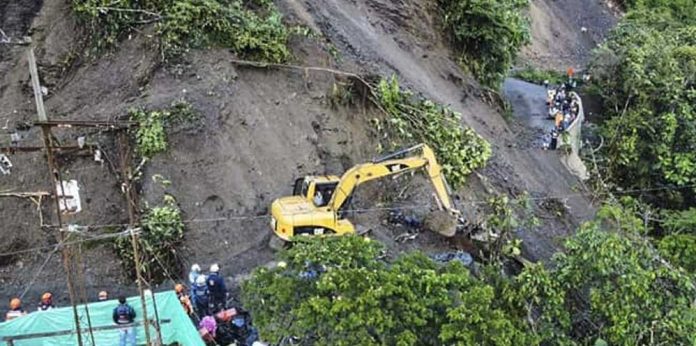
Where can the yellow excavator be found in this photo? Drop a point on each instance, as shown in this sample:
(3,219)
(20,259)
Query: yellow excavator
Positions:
(318,205)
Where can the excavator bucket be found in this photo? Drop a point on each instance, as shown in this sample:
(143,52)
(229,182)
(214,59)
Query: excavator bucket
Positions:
(441,222)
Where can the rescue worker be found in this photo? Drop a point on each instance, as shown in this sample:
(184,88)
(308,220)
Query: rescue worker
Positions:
(199,295)
(559,120)
(15,310)
(103,296)
(194,273)
(124,315)
(183,298)
(46,302)
(217,289)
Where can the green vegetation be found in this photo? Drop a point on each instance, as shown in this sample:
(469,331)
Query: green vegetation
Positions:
(336,291)
(252,29)
(538,76)
(151,134)
(610,286)
(414,119)
(162,232)
(645,75)
(488,34)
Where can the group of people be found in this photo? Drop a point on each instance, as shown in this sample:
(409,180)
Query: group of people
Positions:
(45,303)
(205,301)
(563,107)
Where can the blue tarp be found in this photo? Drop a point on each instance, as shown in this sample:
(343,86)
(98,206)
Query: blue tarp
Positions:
(179,329)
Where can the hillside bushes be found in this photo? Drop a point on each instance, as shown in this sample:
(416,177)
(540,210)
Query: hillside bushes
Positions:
(488,35)
(161,233)
(413,119)
(252,29)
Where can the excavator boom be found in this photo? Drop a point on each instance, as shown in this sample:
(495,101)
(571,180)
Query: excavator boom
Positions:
(392,164)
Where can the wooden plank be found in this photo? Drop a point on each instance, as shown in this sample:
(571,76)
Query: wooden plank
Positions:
(70,331)
(38,96)
(86,123)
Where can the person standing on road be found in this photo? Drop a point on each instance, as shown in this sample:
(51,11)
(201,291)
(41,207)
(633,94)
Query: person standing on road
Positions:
(217,289)
(46,302)
(124,315)
(15,310)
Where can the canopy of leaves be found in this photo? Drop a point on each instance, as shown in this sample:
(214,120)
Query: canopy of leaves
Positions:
(161,234)
(414,119)
(252,29)
(488,34)
(336,291)
(610,284)
(681,10)
(646,76)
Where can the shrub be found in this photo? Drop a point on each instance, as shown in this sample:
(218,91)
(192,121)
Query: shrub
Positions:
(488,34)
(150,136)
(162,231)
(415,119)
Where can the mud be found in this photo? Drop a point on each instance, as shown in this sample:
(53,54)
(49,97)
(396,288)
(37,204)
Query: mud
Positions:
(256,131)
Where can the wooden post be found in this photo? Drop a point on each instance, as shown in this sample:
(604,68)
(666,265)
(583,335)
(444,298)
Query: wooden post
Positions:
(132,220)
(41,112)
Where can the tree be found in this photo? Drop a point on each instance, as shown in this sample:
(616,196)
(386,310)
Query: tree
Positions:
(336,291)
(488,33)
(646,76)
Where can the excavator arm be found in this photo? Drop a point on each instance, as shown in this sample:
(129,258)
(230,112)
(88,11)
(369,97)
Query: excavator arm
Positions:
(393,164)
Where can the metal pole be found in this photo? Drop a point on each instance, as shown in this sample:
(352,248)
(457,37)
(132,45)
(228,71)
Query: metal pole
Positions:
(38,98)
(136,257)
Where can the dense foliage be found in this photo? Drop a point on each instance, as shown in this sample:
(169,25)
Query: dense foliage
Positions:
(646,76)
(488,34)
(414,119)
(251,29)
(336,291)
(151,135)
(609,286)
(161,233)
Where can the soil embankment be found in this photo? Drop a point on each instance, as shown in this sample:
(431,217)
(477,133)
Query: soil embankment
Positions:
(257,130)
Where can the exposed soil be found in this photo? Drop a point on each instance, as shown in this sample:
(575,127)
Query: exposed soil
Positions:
(257,130)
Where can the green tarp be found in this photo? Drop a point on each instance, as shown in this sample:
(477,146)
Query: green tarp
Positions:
(177,327)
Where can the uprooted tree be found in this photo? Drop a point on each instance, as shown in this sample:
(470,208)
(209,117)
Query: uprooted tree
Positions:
(253,29)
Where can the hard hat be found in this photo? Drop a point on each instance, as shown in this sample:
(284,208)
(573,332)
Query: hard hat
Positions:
(103,295)
(46,296)
(179,288)
(214,268)
(195,267)
(15,303)
(200,280)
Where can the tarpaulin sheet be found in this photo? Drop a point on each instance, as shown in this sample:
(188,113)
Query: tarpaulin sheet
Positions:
(178,329)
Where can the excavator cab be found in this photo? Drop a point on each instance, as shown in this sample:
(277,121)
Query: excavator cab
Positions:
(318,204)
(316,189)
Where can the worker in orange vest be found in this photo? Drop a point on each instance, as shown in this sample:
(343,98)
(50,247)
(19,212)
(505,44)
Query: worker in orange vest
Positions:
(183,298)
(15,310)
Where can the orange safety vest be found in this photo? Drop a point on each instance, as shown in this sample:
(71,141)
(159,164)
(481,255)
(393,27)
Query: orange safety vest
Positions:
(186,304)
(559,119)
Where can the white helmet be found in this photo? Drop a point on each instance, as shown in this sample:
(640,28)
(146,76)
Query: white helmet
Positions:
(214,268)
(195,267)
(200,280)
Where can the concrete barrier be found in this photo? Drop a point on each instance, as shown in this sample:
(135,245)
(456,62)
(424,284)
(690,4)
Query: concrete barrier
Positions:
(571,143)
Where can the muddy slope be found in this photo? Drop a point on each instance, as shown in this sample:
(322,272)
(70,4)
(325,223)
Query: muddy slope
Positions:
(256,131)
